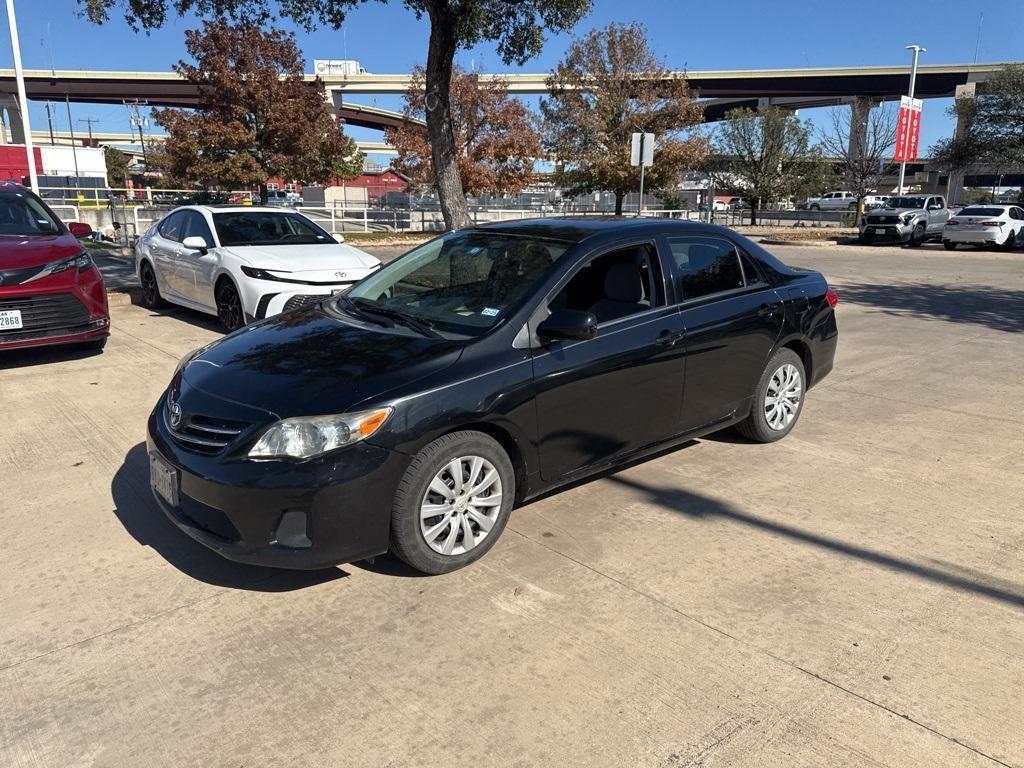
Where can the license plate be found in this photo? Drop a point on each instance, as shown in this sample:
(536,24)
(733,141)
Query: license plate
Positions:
(10,318)
(164,479)
(879,230)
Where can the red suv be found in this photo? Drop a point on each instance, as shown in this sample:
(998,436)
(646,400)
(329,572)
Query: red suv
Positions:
(50,290)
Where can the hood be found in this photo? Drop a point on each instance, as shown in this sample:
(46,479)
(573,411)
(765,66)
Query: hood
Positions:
(305,258)
(311,363)
(886,211)
(21,252)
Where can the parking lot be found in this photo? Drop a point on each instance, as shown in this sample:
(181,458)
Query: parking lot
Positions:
(850,596)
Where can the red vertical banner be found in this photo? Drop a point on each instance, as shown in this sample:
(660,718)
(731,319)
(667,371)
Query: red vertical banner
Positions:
(908,130)
(914,133)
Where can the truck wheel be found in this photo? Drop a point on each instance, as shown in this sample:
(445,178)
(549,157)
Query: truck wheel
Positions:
(815,207)
(917,236)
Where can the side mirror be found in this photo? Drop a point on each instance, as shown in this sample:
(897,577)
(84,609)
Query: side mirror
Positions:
(339,237)
(568,324)
(79,229)
(195,243)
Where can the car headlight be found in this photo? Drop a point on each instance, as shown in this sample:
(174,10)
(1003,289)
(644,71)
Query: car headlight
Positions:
(309,436)
(262,274)
(906,218)
(78,261)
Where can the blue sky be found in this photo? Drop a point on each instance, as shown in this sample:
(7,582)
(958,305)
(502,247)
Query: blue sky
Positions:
(749,34)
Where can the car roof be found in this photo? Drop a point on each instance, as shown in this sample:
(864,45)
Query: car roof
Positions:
(574,229)
(235,208)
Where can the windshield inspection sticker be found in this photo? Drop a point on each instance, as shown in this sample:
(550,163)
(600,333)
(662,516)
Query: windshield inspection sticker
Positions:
(489,312)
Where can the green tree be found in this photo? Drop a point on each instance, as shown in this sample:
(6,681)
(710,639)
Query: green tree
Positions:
(117,166)
(766,155)
(517,27)
(610,85)
(256,117)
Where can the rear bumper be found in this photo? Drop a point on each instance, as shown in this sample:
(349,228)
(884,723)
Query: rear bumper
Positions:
(974,237)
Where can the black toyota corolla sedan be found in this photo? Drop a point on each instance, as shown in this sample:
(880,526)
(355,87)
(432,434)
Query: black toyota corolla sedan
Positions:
(480,369)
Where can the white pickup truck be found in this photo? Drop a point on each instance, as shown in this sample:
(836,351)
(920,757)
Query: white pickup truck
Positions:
(841,201)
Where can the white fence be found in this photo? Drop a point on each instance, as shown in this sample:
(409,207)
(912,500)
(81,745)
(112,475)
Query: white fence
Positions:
(67,213)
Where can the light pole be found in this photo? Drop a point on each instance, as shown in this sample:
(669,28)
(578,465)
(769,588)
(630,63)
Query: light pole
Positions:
(918,50)
(19,75)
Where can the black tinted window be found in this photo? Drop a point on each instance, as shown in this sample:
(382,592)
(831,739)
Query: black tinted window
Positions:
(613,285)
(196,226)
(170,227)
(977,211)
(706,265)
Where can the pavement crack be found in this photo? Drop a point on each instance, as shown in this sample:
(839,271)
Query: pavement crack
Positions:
(764,651)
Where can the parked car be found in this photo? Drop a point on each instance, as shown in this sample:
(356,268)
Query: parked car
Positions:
(999,225)
(481,369)
(278,198)
(833,201)
(244,263)
(50,290)
(910,219)
(738,204)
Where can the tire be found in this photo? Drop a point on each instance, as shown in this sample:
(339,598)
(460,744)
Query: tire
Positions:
(229,306)
(948,245)
(815,208)
(757,426)
(151,298)
(1008,243)
(865,238)
(917,237)
(432,466)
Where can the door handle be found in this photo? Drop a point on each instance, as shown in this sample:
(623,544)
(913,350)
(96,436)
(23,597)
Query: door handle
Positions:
(768,310)
(669,338)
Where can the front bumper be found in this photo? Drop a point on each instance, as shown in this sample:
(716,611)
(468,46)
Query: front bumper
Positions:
(273,300)
(894,233)
(69,307)
(340,503)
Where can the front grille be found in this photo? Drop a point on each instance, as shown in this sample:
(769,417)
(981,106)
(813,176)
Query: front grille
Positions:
(295,302)
(204,434)
(872,220)
(51,314)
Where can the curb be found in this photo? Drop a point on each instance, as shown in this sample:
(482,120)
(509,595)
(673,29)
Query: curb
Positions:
(798,243)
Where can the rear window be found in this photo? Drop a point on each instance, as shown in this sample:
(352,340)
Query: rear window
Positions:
(982,212)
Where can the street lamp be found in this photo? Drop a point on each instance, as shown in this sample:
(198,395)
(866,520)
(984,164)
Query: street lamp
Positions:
(918,50)
(12,22)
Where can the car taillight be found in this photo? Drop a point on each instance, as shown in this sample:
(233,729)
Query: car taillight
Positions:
(991,223)
(831,297)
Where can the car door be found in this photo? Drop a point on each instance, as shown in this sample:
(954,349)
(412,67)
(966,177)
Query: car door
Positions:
(163,247)
(199,267)
(731,319)
(937,214)
(620,391)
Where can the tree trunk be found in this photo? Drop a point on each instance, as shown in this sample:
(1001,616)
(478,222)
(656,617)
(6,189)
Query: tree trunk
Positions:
(264,197)
(619,197)
(440,132)
(754,202)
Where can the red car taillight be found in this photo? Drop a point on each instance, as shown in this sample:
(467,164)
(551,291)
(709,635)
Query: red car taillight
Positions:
(831,297)
(991,223)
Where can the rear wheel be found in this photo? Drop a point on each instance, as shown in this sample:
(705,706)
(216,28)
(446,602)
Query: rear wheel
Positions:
(453,502)
(815,207)
(229,306)
(949,246)
(1009,242)
(151,297)
(778,399)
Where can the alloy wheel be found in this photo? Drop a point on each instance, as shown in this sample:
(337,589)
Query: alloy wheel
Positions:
(229,307)
(149,287)
(782,398)
(461,505)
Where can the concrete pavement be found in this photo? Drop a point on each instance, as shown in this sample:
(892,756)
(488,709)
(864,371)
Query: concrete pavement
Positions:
(851,596)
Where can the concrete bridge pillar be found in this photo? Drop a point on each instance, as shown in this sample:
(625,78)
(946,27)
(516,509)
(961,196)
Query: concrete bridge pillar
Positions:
(857,141)
(11,112)
(955,186)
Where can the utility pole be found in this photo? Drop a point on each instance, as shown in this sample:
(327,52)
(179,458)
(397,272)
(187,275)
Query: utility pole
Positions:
(49,119)
(918,50)
(71,128)
(19,74)
(138,121)
(89,121)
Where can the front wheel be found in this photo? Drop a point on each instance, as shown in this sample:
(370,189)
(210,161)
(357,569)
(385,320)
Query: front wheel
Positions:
(815,208)
(453,502)
(778,399)
(917,237)
(229,306)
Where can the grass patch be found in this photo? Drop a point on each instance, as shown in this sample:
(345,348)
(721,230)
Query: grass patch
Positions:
(388,238)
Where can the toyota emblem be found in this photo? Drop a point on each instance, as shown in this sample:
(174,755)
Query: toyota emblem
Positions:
(340,274)
(175,415)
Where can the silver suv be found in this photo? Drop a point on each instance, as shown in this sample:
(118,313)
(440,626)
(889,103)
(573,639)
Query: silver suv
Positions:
(910,219)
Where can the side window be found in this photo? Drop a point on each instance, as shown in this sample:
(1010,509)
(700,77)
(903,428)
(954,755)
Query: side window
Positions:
(170,227)
(1016,213)
(751,274)
(706,265)
(196,226)
(616,284)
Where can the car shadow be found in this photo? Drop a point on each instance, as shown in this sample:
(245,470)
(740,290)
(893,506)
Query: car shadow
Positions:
(59,353)
(148,525)
(192,316)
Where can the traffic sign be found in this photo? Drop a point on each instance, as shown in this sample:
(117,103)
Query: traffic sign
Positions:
(642,149)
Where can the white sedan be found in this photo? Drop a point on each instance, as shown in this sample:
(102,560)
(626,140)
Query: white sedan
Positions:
(987,224)
(244,263)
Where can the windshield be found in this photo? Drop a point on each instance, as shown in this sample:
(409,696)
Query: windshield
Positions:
(982,212)
(905,202)
(464,283)
(22,214)
(268,228)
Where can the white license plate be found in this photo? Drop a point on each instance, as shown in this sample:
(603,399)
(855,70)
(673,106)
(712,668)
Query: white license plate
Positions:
(164,479)
(10,318)
(879,230)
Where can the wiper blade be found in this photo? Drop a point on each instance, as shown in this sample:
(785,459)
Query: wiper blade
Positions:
(356,310)
(424,326)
